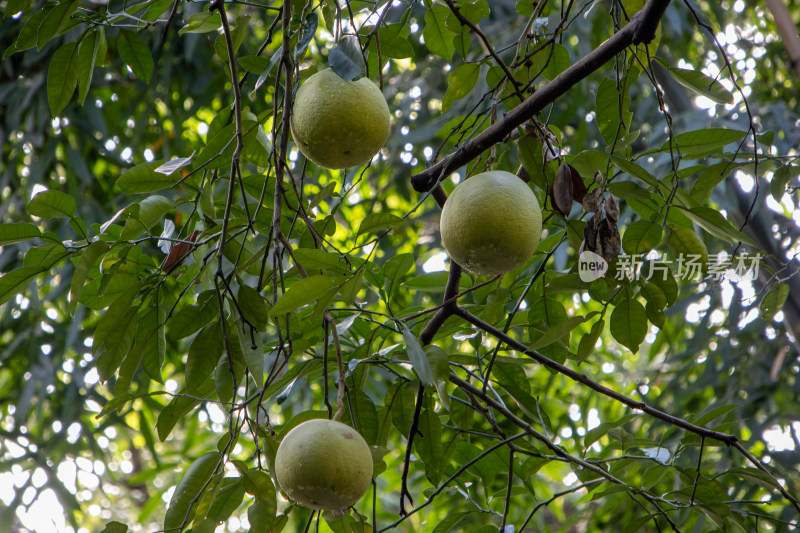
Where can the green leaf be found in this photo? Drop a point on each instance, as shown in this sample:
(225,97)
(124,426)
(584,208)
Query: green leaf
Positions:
(226,500)
(189,488)
(253,64)
(654,295)
(781,178)
(115,527)
(364,416)
(754,475)
(52,204)
(15,281)
(628,189)
(346,60)
(86,261)
(259,484)
(709,178)
(204,352)
(301,293)
(588,341)
(460,83)
(440,366)
(524,8)
(688,245)
(257,146)
(516,385)
(130,363)
(635,170)
(378,222)
(430,282)
(28,34)
(608,106)
(117,342)
(151,210)
(237,36)
(253,306)
(62,77)
(629,323)
(261,515)
(90,47)
(57,21)
(529,152)
(136,54)
(417,357)
(557,61)
(393,45)
(202,23)
(557,332)
(21,231)
(641,237)
(179,407)
(712,414)
(151,341)
(713,222)
(15,6)
(429,443)
(45,256)
(253,357)
(193,317)
(398,266)
(313,259)
(701,143)
(99,293)
(773,301)
(597,432)
(144,178)
(702,85)
(307,31)
(218,151)
(438,37)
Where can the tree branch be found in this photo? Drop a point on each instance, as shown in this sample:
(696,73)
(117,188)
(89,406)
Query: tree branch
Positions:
(729,440)
(640,29)
(237,110)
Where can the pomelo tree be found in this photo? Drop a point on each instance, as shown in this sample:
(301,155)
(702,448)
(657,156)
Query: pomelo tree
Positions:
(181,286)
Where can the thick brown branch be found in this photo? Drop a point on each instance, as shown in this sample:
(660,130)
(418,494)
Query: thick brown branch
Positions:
(448,307)
(640,29)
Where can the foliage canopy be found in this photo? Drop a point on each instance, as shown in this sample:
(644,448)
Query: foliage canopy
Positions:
(181,287)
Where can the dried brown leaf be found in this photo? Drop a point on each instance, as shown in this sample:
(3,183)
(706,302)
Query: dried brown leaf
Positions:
(612,207)
(578,187)
(561,192)
(590,201)
(179,252)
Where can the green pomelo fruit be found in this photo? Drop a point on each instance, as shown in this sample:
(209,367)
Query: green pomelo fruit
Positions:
(491,223)
(323,464)
(338,123)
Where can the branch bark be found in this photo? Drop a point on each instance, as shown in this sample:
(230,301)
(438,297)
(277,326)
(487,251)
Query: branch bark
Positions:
(640,29)
(787,30)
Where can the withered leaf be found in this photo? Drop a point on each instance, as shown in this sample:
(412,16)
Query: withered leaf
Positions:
(179,252)
(612,207)
(610,239)
(590,201)
(578,187)
(601,236)
(561,193)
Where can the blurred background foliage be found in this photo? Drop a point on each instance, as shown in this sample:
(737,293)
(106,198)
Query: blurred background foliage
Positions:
(112,385)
